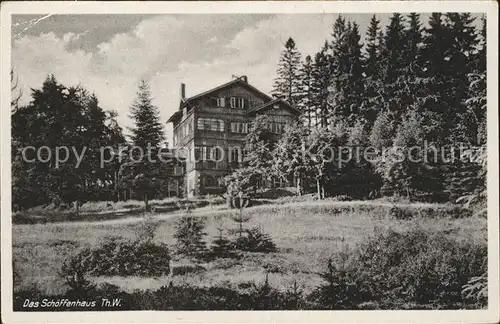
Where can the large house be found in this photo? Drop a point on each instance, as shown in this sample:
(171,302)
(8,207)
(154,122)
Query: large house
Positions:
(209,128)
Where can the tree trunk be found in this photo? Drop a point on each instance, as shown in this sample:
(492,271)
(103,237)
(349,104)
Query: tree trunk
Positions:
(318,186)
(117,190)
(77,207)
(299,187)
(146,203)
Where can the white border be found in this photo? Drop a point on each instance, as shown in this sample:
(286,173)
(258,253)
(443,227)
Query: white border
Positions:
(491,315)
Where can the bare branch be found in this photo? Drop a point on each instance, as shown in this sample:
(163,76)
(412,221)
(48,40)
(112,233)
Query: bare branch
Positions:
(15,92)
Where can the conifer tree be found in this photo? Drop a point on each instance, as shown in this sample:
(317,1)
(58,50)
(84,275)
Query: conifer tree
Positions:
(148,128)
(355,85)
(394,47)
(145,173)
(433,82)
(287,84)
(414,38)
(321,84)
(372,47)
(346,71)
(460,56)
(60,116)
(372,69)
(306,103)
(339,70)
(189,235)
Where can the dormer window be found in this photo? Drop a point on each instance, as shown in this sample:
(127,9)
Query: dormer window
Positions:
(237,102)
(221,102)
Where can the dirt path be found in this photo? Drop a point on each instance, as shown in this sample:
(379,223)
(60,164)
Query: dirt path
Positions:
(213,212)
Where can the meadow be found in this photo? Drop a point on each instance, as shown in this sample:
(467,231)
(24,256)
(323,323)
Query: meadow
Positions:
(307,235)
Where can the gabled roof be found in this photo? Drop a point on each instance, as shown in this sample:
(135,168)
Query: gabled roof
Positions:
(230,83)
(186,101)
(272,102)
(175,116)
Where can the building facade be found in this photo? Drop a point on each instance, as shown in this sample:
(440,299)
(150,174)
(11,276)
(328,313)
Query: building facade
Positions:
(209,128)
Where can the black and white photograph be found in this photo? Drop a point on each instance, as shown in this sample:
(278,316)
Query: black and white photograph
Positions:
(238,158)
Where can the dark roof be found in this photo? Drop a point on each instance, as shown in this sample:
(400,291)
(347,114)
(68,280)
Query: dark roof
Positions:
(238,80)
(176,115)
(272,102)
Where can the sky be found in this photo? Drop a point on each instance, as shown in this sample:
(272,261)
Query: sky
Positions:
(110,54)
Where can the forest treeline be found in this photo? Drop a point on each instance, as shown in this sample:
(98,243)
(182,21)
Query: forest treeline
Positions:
(409,83)
(408,87)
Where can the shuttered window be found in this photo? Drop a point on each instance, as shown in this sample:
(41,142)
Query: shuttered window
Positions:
(241,128)
(236,102)
(210,124)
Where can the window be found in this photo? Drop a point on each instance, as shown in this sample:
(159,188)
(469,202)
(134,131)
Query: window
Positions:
(221,102)
(210,124)
(241,128)
(185,130)
(216,153)
(235,155)
(276,128)
(208,153)
(237,102)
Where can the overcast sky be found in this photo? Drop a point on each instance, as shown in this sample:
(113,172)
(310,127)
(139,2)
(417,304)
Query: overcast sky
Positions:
(109,54)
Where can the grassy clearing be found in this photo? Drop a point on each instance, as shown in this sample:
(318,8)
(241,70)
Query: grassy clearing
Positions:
(307,235)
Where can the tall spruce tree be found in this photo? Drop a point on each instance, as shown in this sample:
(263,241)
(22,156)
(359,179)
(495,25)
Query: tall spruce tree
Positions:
(287,84)
(372,56)
(339,70)
(321,84)
(306,103)
(144,173)
(394,47)
(413,38)
(346,71)
(355,84)
(372,69)
(395,66)
(433,77)
(460,57)
(148,128)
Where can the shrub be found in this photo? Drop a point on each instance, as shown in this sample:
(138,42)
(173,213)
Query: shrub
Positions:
(74,270)
(254,241)
(221,245)
(409,212)
(120,257)
(395,270)
(416,266)
(147,229)
(340,290)
(240,218)
(476,290)
(400,213)
(222,248)
(189,233)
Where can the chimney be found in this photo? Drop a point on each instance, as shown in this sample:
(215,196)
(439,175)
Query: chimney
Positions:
(183,91)
(244,78)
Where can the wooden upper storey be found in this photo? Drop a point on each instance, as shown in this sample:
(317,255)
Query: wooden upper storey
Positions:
(227,109)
